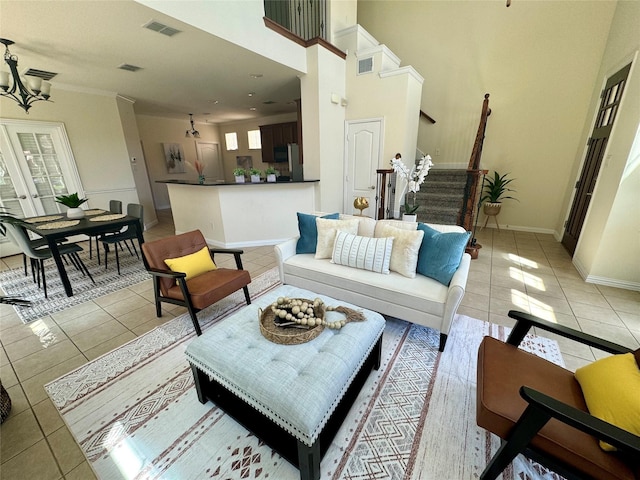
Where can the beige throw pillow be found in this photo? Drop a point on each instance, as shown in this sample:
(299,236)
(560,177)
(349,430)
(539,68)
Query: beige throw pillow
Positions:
(406,245)
(380,224)
(327,234)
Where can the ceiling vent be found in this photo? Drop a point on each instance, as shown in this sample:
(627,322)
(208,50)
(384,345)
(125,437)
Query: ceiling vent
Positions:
(269,102)
(161,28)
(365,65)
(46,76)
(129,68)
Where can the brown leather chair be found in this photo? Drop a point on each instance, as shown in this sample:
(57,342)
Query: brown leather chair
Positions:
(197,292)
(537,409)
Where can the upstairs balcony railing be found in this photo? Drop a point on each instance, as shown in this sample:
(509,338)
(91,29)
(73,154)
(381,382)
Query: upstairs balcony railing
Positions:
(305,18)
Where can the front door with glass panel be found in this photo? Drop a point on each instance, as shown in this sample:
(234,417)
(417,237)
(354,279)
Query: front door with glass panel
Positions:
(36,165)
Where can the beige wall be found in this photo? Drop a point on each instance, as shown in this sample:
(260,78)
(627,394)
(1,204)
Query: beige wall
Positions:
(95,133)
(241,129)
(538,60)
(608,250)
(154,131)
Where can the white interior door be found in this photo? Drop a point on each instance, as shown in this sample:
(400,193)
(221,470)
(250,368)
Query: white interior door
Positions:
(363,150)
(209,154)
(36,165)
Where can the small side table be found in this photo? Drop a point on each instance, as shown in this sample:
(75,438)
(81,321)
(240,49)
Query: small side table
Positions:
(495,219)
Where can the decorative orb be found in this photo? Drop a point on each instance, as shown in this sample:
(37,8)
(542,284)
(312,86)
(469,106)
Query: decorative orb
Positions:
(360,203)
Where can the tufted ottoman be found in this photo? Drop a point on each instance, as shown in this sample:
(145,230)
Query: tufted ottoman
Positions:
(293,397)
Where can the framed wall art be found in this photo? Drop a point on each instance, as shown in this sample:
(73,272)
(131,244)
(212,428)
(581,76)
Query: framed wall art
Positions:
(174,157)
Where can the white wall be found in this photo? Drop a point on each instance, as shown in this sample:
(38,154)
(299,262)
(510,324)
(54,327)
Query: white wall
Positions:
(138,167)
(323,126)
(608,250)
(538,60)
(95,132)
(154,131)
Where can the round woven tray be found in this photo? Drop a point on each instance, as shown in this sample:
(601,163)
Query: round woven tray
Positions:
(288,335)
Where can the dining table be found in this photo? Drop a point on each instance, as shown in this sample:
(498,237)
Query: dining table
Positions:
(56,227)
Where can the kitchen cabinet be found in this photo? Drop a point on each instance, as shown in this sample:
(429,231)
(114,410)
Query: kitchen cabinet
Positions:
(277,135)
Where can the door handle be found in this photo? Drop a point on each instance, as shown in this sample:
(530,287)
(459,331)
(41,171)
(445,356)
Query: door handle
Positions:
(22,197)
(35,195)
(372,187)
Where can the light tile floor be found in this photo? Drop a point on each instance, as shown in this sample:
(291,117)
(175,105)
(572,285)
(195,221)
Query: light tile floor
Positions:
(514,270)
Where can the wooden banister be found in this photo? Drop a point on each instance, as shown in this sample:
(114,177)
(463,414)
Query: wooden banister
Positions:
(471,190)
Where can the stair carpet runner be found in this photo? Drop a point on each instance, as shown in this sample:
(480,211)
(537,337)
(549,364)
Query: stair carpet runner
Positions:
(440,196)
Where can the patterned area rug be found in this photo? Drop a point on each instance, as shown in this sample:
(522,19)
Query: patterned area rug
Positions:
(15,283)
(135,413)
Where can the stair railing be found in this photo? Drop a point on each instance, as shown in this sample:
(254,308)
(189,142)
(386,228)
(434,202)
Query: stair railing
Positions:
(471,190)
(305,18)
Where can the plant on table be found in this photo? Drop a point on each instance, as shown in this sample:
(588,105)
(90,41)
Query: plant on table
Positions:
(271,171)
(72,200)
(255,171)
(239,172)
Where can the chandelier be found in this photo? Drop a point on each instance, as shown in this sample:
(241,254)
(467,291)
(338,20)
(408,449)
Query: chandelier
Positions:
(193,132)
(25,95)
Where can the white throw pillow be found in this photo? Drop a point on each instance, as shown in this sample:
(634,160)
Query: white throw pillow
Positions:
(406,245)
(366,253)
(366,226)
(327,234)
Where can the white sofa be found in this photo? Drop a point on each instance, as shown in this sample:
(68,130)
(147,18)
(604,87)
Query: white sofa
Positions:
(421,300)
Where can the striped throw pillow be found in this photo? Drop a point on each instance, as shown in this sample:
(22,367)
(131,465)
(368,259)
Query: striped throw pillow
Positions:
(366,253)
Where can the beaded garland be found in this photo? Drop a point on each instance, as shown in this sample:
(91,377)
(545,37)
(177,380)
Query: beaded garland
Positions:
(304,313)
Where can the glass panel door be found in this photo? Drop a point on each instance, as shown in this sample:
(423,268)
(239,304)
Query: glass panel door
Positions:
(36,165)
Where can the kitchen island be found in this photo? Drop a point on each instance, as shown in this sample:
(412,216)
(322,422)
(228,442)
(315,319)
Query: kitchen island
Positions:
(234,215)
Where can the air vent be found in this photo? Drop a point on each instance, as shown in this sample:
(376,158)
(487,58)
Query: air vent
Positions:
(161,28)
(129,68)
(365,65)
(46,76)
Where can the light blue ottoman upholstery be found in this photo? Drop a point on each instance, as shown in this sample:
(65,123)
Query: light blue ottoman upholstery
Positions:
(295,386)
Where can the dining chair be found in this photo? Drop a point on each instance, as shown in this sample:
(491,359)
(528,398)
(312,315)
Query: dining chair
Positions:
(115,206)
(39,255)
(115,239)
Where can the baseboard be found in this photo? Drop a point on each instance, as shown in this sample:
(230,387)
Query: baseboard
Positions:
(255,243)
(612,282)
(520,228)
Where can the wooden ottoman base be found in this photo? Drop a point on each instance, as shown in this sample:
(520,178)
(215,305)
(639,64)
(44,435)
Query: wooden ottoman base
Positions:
(306,459)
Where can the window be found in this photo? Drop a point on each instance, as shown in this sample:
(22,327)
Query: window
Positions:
(231,139)
(255,142)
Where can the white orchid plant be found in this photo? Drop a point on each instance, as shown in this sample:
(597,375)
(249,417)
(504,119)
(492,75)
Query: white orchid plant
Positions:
(413,177)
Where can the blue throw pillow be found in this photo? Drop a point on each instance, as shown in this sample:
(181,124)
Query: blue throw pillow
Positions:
(440,253)
(309,232)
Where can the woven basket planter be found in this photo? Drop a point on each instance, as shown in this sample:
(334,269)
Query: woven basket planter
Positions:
(492,209)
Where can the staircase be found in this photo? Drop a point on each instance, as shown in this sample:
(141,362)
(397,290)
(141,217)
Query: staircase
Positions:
(441,196)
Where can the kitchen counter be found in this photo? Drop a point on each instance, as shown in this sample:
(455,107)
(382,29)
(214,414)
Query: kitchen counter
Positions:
(244,216)
(221,184)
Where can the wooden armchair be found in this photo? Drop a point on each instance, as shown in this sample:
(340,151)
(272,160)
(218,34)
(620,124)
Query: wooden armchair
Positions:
(538,409)
(201,290)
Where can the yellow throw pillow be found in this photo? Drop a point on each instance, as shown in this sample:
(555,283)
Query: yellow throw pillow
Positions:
(193,264)
(611,389)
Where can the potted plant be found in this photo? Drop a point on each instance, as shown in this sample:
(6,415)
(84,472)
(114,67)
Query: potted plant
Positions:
(239,174)
(73,202)
(495,190)
(414,178)
(255,175)
(271,173)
